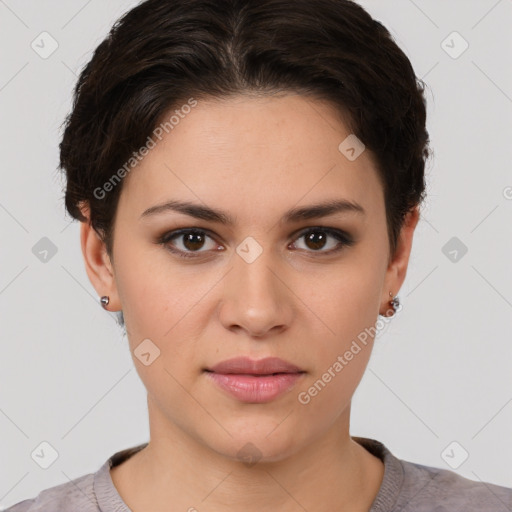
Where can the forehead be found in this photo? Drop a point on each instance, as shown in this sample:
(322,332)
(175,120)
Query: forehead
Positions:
(253,154)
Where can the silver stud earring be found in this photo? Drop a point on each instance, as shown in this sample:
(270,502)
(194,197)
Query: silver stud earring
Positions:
(395,302)
(105,300)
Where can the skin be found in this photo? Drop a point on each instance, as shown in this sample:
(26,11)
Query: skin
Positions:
(255,158)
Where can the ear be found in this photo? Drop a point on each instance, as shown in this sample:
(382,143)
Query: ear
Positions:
(98,266)
(397,268)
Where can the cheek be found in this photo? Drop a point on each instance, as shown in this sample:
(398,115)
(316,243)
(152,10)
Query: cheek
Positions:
(348,300)
(165,306)
(339,363)
(155,296)
(348,309)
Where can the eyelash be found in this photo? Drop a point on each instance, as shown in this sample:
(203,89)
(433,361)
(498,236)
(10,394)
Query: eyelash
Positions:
(344,238)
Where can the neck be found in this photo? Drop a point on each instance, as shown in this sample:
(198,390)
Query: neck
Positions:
(176,472)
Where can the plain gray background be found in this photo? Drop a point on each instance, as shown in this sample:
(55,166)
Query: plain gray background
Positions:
(440,372)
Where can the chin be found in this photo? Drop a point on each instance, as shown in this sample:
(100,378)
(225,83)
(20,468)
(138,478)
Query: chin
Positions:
(267,441)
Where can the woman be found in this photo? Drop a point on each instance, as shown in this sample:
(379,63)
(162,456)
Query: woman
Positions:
(248,177)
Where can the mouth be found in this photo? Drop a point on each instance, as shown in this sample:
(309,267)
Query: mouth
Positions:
(253,374)
(255,381)
(255,367)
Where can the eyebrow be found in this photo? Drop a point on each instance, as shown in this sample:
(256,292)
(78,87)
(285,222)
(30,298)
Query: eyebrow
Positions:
(314,211)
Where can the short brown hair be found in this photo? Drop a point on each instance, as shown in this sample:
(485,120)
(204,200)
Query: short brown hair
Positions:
(164,51)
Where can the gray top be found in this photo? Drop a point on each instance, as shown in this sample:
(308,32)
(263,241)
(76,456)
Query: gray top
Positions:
(406,487)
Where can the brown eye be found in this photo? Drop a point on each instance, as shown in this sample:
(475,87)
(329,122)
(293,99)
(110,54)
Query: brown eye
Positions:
(193,241)
(316,239)
(186,242)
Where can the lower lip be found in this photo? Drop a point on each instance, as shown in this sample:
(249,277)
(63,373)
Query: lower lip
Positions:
(255,389)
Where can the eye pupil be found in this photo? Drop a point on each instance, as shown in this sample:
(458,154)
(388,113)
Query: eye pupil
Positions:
(193,241)
(317,238)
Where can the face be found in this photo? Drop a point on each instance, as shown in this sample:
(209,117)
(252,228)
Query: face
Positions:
(265,284)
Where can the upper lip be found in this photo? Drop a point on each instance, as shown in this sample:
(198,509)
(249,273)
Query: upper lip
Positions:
(246,365)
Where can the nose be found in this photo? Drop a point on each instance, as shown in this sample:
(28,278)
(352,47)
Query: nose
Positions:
(256,297)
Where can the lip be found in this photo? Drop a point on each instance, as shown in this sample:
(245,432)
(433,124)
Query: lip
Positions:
(248,366)
(255,381)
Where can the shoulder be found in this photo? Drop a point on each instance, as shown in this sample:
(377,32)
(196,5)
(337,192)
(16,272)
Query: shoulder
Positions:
(88,493)
(425,487)
(412,487)
(77,494)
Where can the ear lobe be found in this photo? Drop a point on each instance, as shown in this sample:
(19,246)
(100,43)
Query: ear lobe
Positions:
(98,265)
